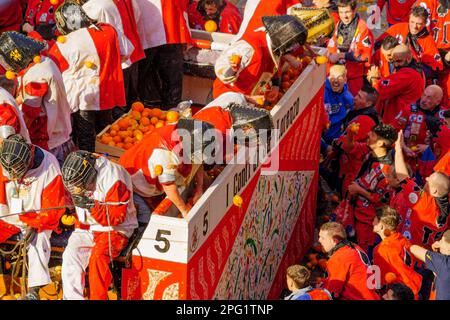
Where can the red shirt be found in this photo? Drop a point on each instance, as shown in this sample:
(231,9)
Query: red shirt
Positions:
(392,255)
(347,275)
(396,10)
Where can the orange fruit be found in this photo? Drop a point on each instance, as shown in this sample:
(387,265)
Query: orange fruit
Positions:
(120,145)
(238,201)
(286,77)
(89,64)
(68,220)
(158,170)
(210,26)
(111,143)
(147,113)
(139,136)
(128,146)
(112,133)
(144,121)
(37,59)
(54,2)
(124,123)
(156,112)
(260,101)
(144,129)
(154,120)
(136,132)
(136,115)
(321,59)
(159,124)
(117,139)
(61,39)
(163,116)
(390,277)
(124,133)
(115,126)
(172,116)
(235,59)
(137,106)
(105,139)
(10,75)
(128,140)
(285,85)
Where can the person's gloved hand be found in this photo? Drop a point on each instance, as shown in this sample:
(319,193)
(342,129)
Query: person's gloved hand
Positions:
(350,56)
(83,202)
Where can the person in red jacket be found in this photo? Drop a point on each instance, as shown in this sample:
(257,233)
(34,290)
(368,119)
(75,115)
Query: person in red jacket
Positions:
(391,255)
(11,17)
(31,181)
(222,12)
(396,11)
(40,17)
(383,58)
(402,88)
(102,193)
(441,140)
(298,282)
(250,65)
(416,35)
(347,267)
(444,164)
(351,44)
(439,25)
(420,122)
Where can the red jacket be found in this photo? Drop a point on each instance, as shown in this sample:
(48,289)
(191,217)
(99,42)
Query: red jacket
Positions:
(396,11)
(41,12)
(347,275)
(427,52)
(439,23)
(444,164)
(10,15)
(419,212)
(392,255)
(398,90)
(382,63)
(441,143)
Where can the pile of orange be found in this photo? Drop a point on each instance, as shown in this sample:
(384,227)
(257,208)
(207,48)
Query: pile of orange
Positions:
(129,130)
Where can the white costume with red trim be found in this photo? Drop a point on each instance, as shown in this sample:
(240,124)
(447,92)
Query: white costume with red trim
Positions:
(113,185)
(115,13)
(7,100)
(90,63)
(162,22)
(45,102)
(40,188)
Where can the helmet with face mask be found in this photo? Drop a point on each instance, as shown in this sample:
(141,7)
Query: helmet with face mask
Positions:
(70,17)
(286,33)
(249,123)
(17,50)
(196,136)
(78,172)
(15,156)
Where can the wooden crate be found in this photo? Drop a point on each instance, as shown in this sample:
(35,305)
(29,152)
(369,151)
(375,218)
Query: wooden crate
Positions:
(113,153)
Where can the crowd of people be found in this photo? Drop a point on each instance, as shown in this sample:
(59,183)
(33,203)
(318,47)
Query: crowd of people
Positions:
(70,68)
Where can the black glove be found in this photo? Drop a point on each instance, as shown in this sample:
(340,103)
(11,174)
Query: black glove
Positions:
(83,202)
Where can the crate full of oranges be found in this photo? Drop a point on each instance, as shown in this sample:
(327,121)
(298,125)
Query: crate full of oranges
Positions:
(131,128)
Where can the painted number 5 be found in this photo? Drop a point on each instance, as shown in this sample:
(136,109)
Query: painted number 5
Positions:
(160,237)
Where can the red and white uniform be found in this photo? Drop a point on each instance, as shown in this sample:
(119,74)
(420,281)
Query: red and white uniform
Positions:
(162,22)
(396,10)
(89,61)
(258,66)
(156,149)
(362,48)
(256,9)
(116,14)
(441,143)
(11,17)
(428,53)
(88,245)
(45,104)
(41,12)
(397,91)
(40,188)
(11,115)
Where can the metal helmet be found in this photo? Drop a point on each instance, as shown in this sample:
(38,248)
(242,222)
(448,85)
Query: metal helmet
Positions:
(15,156)
(249,122)
(196,135)
(285,32)
(17,50)
(70,17)
(78,171)
(319,22)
